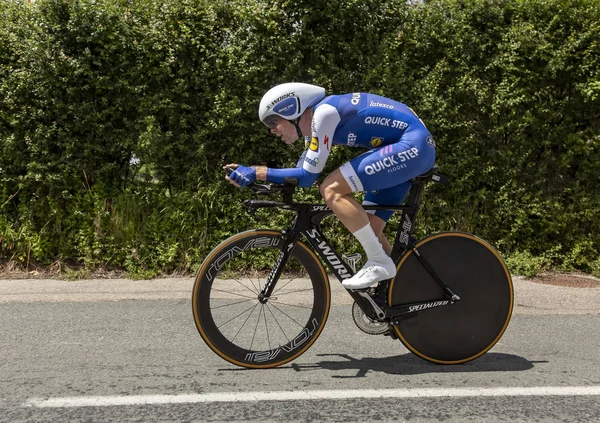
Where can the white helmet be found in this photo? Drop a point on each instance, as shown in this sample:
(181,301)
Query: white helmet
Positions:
(288,101)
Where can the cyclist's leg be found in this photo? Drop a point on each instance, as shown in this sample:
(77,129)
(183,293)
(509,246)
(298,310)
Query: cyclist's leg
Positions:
(336,192)
(387,170)
(378,224)
(379,266)
(393,196)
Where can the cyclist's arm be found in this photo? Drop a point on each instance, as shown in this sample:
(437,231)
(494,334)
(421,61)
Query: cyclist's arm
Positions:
(277,176)
(325,121)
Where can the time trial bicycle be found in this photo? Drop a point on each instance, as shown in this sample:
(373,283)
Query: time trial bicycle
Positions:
(261,298)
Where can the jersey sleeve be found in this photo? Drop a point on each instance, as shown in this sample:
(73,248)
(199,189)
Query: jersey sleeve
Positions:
(324,124)
(311,163)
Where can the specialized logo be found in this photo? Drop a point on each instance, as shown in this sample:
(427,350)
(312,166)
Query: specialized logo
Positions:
(319,208)
(329,255)
(376,141)
(383,121)
(313,162)
(351,139)
(355,99)
(427,305)
(305,335)
(314,144)
(278,99)
(377,104)
(392,163)
(326,143)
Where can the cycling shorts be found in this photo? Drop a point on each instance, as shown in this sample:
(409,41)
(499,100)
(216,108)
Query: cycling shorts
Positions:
(385,172)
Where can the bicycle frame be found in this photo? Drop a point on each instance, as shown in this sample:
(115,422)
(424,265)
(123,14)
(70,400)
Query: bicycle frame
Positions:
(307,224)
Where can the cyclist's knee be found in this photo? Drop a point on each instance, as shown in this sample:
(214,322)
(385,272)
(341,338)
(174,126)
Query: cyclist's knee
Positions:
(334,187)
(330,192)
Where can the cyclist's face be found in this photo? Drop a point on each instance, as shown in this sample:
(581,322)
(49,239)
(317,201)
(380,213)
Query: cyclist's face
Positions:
(284,129)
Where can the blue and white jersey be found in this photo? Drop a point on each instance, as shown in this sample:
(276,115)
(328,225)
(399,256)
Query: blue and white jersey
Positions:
(356,120)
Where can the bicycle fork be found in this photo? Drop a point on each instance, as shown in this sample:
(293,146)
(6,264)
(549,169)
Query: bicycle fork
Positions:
(289,241)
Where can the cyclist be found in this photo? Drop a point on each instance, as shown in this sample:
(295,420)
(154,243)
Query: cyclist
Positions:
(400,148)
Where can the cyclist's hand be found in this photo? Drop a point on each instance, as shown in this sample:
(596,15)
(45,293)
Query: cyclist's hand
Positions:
(242,176)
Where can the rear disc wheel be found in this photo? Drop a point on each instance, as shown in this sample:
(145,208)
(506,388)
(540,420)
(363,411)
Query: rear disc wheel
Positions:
(455,333)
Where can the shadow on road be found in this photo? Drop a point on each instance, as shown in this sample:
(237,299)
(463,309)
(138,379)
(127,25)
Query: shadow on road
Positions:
(409,364)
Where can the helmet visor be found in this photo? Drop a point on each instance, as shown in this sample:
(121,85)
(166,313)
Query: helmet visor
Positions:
(271,121)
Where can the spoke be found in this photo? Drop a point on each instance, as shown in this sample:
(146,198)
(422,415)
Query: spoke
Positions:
(240,329)
(232,304)
(255,329)
(277,321)
(289,282)
(286,315)
(223,324)
(266,328)
(290,305)
(254,292)
(254,286)
(234,293)
(293,292)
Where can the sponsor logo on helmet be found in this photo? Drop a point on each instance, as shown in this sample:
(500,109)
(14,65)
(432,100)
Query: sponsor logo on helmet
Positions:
(314,144)
(383,121)
(287,107)
(392,163)
(281,98)
(351,139)
(376,141)
(377,104)
(355,99)
(313,162)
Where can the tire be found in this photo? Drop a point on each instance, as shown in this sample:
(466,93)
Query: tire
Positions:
(460,332)
(236,325)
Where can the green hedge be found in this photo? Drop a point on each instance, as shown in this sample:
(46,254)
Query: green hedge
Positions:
(116,117)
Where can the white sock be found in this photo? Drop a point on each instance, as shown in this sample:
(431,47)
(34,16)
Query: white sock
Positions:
(370,243)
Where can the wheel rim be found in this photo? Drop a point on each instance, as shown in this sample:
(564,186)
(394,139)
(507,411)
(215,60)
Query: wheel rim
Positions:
(248,332)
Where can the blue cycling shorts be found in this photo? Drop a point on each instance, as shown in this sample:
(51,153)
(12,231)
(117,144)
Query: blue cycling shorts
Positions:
(385,172)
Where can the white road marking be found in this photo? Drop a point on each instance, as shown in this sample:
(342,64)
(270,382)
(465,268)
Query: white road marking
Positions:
(102,401)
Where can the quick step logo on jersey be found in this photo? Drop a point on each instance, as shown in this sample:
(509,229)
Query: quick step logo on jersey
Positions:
(379,120)
(392,163)
(355,99)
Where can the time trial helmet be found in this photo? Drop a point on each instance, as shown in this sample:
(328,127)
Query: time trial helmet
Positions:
(288,101)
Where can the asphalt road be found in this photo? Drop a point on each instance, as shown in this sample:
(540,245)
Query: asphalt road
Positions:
(126,343)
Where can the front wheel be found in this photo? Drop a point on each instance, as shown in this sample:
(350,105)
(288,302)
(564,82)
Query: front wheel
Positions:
(252,332)
(454,333)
